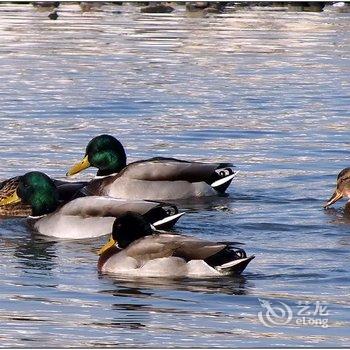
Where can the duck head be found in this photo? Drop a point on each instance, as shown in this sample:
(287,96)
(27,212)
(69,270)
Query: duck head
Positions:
(103,152)
(8,187)
(342,189)
(37,190)
(128,228)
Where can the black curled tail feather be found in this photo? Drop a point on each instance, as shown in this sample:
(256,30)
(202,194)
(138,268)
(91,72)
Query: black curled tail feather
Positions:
(226,255)
(160,212)
(222,171)
(229,261)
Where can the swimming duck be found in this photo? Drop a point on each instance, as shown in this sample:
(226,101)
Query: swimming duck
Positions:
(152,179)
(135,248)
(66,192)
(7,188)
(82,217)
(342,189)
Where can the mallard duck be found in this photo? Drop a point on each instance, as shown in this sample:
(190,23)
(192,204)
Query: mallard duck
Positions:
(135,248)
(7,188)
(66,192)
(82,217)
(153,179)
(342,189)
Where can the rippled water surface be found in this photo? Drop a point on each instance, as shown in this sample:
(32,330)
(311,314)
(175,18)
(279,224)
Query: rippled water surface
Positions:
(268,90)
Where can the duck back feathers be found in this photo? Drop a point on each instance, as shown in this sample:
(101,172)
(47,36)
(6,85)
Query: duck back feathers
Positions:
(175,255)
(164,179)
(94,216)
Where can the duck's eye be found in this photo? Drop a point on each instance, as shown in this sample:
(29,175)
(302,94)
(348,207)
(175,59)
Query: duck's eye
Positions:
(344,179)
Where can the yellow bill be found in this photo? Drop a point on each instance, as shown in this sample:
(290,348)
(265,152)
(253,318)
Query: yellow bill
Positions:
(111,242)
(335,197)
(13,198)
(78,167)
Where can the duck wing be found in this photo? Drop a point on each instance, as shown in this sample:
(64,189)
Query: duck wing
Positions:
(162,215)
(164,179)
(105,206)
(224,258)
(200,255)
(86,217)
(167,244)
(171,169)
(69,190)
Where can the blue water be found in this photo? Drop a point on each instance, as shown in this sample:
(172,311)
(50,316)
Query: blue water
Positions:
(267,89)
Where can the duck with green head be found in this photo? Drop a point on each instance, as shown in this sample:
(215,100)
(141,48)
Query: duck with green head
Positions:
(137,249)
(105,153)
(82,217)
(66,192)
(157,178)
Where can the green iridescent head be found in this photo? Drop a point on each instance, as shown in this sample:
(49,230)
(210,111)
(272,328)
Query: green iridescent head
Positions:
(127,228)
(37,190)
(103,152)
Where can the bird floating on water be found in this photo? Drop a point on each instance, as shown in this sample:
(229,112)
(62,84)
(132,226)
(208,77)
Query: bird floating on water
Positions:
(342,188)
(66,191)
(84,217)
(152,179)
(135,248)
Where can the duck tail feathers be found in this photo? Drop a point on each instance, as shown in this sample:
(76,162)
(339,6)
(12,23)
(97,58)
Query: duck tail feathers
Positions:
(229,261)
(163,216)
(234,267)
(222,177)
(167,222)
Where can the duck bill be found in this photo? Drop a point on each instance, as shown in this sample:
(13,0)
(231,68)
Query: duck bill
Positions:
(111,242)
(78,167)
(10,199)
(335,197)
